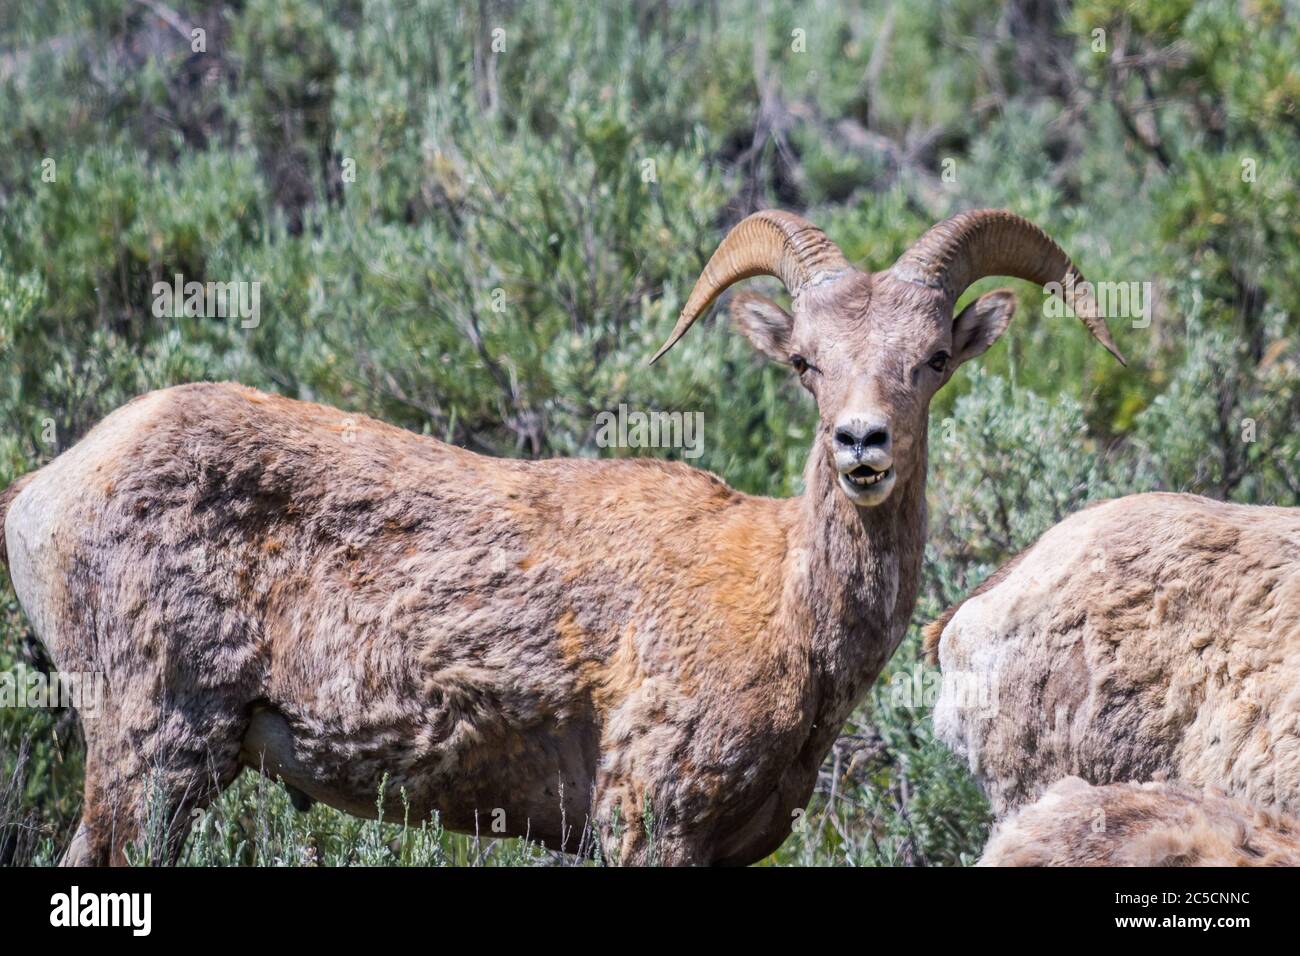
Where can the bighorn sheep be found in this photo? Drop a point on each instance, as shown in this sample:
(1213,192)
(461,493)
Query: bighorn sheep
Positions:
(556,641)
(1141,824)
(1150,637)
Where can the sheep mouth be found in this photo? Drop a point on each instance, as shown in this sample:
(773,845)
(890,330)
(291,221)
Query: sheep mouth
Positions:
(864,476)
(866,486)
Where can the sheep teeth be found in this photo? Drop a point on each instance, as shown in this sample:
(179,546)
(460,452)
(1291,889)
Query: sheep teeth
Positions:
(869,480)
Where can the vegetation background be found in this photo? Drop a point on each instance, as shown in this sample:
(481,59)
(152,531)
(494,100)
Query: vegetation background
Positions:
(485,246)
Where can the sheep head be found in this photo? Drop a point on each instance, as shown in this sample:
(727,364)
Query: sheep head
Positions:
(874,348)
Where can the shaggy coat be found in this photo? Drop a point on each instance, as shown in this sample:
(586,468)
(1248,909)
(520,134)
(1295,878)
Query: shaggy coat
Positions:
(270,583)
(526,647)
(1141,824)
(1151,637)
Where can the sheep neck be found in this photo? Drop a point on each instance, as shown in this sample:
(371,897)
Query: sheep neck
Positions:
(856,580)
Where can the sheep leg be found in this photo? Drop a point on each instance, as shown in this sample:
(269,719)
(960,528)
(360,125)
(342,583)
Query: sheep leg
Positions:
(79,851)
(110,820)
(635,847)
(635,835)
(142,794)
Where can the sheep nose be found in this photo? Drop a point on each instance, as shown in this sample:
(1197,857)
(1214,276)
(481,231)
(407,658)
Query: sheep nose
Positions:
(859,434)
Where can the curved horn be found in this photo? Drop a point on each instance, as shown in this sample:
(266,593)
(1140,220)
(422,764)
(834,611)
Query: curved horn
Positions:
(772,243)
(994,242)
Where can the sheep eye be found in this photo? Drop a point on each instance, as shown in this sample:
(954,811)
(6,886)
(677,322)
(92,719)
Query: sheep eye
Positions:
(799,363)
(939,362)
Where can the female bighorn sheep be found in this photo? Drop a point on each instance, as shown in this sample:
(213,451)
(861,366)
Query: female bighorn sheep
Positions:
(555,641)
(1141,824)
(1154,636)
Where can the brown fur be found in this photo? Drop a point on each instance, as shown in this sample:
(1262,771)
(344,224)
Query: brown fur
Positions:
(550,651)
(1154,636)
(535,645)
(1142,824)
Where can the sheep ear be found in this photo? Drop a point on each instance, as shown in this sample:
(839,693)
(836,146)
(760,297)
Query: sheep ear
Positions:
(764,323)
(981,323)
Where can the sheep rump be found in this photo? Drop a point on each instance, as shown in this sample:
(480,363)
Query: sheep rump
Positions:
(1151,637)
(1141,824)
